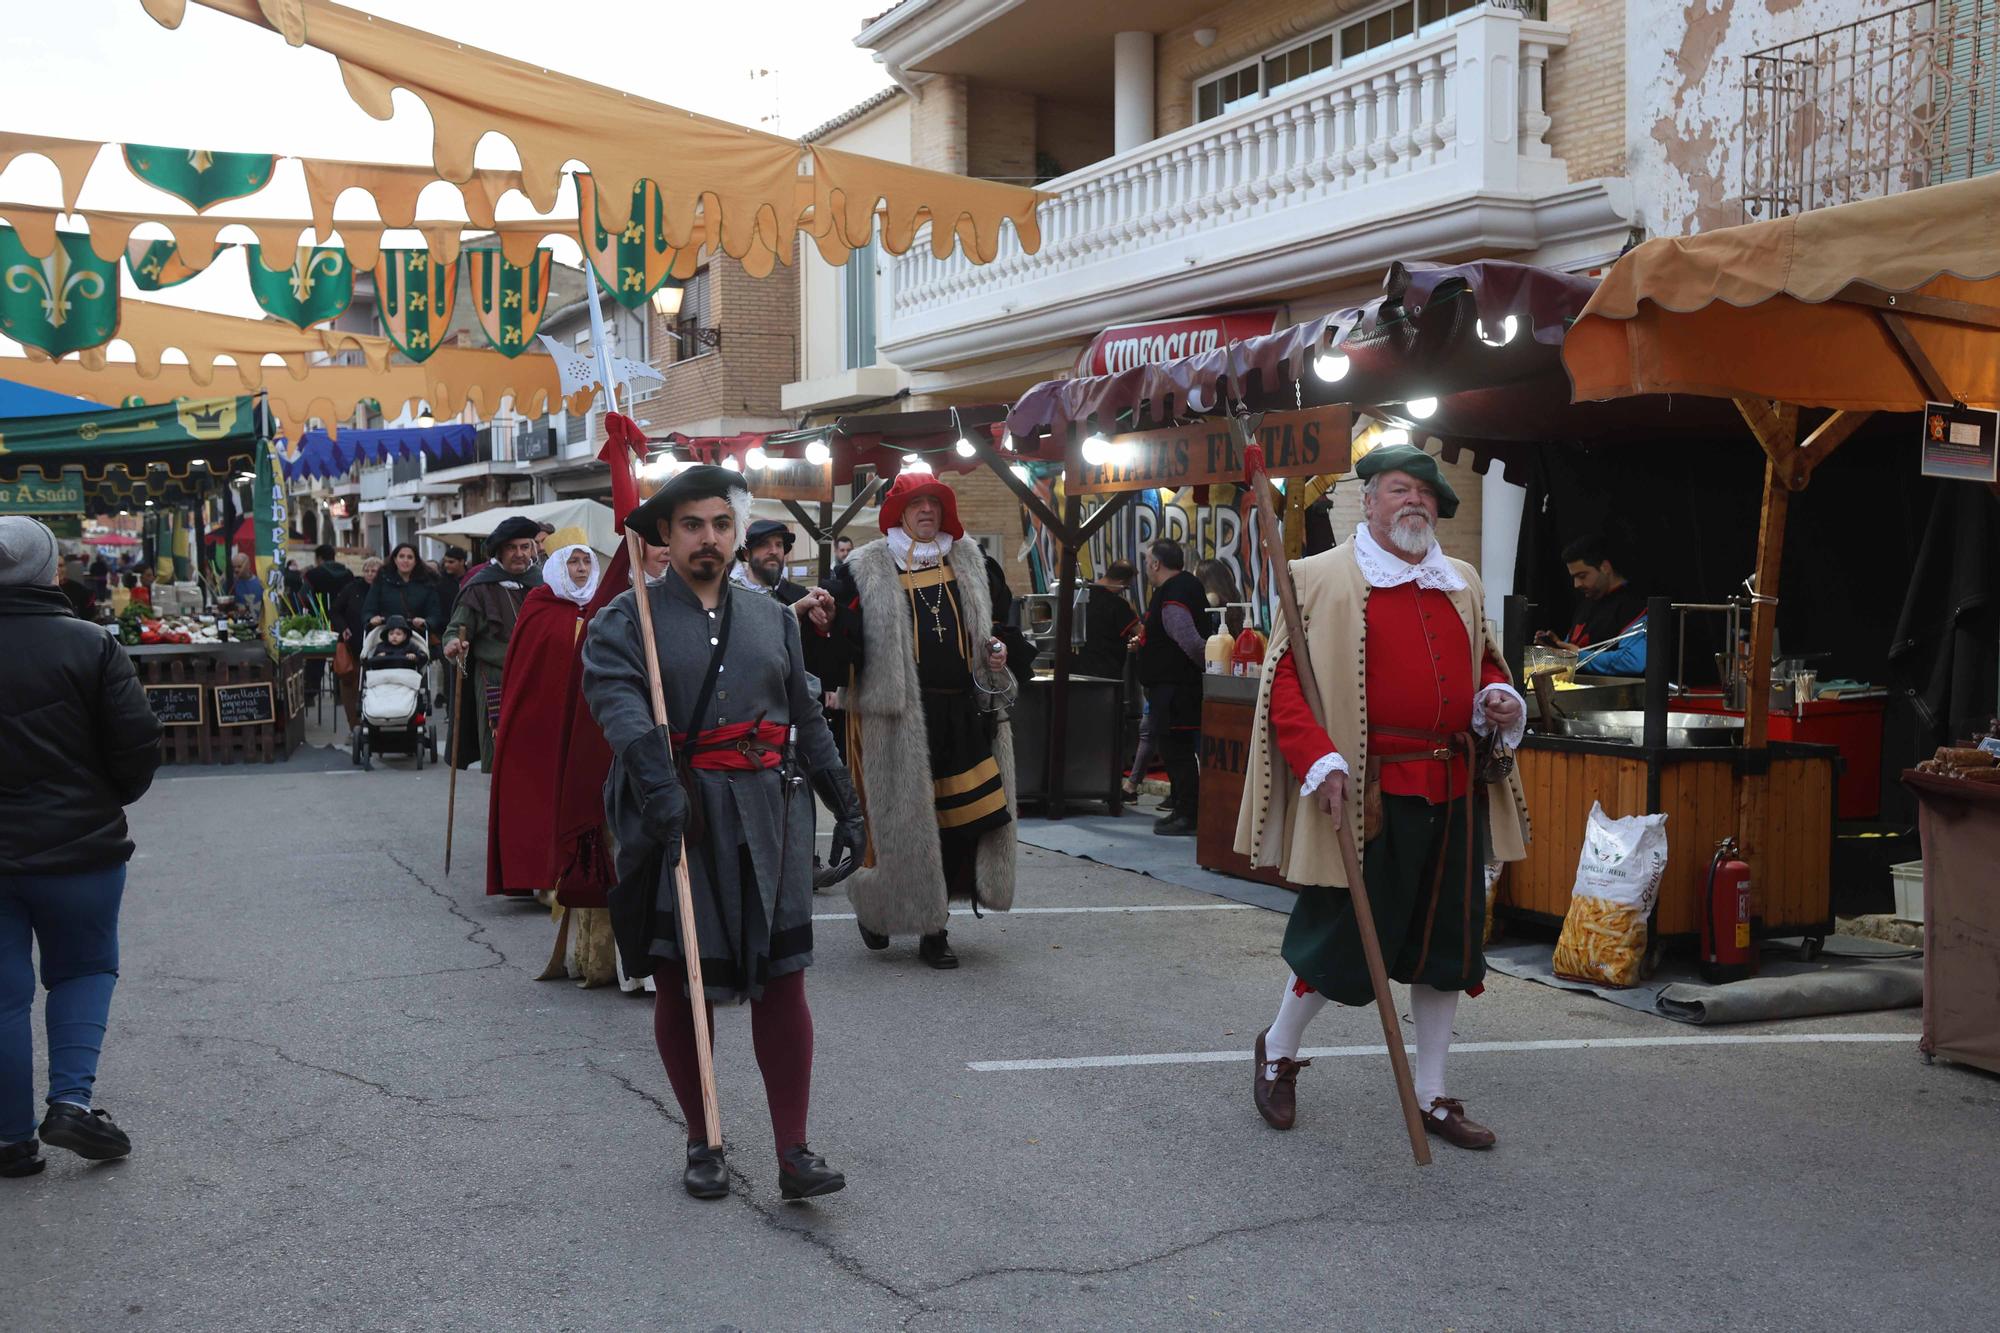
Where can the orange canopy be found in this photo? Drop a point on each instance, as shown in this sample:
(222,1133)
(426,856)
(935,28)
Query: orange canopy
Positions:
(1881,305)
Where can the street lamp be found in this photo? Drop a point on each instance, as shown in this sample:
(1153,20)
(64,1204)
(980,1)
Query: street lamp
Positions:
(667,299)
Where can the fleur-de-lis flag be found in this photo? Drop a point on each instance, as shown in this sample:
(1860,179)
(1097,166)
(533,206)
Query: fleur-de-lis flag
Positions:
(318,285)
(415,293)
(60,303)
(631,262)
(198,177)
(508,298)
(158,264)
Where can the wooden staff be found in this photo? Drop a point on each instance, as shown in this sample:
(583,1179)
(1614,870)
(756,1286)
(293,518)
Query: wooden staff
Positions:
(1364,912)
(457,739)
(683,890)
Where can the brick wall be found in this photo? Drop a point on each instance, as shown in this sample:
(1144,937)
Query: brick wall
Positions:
(938,125)
(759,320)
(1585,88)
(1241,31)
(1459,534)
(1000,134)
(1072,134)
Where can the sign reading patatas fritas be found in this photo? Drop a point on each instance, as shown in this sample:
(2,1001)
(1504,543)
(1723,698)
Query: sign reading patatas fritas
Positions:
(1309,443)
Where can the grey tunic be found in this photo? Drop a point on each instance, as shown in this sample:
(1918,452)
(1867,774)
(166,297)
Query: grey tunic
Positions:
(752,872)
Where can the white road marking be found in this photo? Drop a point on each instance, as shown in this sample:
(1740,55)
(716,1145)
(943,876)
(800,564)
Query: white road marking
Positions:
(1067,911)
(1458,1048)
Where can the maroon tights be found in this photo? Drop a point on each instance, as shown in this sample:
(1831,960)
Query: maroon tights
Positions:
(781,1029)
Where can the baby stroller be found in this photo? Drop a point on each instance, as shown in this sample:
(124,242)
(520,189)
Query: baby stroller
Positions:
(395,699)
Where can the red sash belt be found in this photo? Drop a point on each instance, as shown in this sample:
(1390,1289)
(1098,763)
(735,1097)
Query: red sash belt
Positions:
(743,747)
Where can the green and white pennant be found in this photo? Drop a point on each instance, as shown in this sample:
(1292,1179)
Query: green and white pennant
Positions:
(198,177)
(318,285)
(156,265)
(63,302)
(415,293)
(509,299)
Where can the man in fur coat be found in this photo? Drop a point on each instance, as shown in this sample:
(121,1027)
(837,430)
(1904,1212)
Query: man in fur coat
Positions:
(913,652)
(723,779)
(1408,675)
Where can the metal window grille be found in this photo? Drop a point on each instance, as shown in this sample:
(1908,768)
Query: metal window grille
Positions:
(1892,102)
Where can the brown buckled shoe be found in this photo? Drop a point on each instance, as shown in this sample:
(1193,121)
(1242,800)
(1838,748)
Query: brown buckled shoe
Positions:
(1455,1127)
(1277,1098)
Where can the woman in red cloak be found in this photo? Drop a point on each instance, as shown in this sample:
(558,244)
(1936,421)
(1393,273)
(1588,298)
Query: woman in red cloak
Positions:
(545,817)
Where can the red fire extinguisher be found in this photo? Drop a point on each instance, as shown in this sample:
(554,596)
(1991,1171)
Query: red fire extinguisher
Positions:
(1726,953)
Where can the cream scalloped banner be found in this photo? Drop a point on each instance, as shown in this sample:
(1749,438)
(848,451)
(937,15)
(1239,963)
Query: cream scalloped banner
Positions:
(757,190)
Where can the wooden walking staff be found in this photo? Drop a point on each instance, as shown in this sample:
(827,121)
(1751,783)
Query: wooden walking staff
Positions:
(1244,429)
(457,739)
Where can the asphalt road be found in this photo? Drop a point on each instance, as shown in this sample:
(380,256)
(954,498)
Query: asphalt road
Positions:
(355,1109)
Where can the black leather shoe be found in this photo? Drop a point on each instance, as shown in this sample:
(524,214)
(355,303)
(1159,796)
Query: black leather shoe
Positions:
(1176,826)
(21,1159)
(92,1134)
(871,939)
(936,950)
(804,1174)
(707,1176)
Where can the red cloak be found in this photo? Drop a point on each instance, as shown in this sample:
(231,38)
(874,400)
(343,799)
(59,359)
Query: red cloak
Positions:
(545,809)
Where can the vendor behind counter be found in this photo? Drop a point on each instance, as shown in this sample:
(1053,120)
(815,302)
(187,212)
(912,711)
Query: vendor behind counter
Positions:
(1608,606)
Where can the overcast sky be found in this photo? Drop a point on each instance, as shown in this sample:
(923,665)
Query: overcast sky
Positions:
(102,69)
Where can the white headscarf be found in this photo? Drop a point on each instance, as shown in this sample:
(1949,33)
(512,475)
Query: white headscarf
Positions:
(555,575)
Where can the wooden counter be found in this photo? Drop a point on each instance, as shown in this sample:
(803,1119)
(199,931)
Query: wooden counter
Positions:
(1698,789)
(1228,707)
(266,701)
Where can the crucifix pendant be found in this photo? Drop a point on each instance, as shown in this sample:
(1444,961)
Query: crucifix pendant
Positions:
(937,628)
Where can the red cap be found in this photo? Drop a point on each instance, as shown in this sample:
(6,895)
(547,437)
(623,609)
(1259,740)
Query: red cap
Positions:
(908,487)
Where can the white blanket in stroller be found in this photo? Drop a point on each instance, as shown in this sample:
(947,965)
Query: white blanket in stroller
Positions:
(389,695)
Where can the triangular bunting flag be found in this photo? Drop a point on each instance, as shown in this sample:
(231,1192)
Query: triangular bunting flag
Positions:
(197,177)
(156,265)
(508,298)
(61,303)
(634,260)
(318,285)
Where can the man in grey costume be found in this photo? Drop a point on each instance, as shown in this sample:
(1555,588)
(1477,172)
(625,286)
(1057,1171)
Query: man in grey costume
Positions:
(722,782)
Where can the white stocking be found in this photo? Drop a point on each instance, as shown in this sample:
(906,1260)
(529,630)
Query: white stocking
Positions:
(1288,1029)
(1431,1012)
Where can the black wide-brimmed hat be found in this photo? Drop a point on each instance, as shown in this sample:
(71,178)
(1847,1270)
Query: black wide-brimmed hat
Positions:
(702,481)
(511,530)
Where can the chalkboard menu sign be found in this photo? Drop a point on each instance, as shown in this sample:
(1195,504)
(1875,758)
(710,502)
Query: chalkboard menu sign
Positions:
(175,705)
(244,705)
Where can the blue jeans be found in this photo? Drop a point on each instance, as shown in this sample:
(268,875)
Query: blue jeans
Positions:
(74,918)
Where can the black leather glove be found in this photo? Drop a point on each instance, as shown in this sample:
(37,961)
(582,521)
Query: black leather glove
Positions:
(663,804)
(835,790)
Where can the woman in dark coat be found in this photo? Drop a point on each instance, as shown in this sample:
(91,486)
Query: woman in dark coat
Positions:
(406,588)
(79,744)
(351,624)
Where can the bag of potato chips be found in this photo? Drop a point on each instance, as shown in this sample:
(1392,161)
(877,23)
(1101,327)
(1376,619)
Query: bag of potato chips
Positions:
(1603,937)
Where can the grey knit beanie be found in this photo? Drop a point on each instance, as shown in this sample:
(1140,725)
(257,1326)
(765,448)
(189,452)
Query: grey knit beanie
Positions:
(27,552)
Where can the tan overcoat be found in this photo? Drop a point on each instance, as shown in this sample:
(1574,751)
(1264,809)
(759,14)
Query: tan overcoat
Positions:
(1275,826)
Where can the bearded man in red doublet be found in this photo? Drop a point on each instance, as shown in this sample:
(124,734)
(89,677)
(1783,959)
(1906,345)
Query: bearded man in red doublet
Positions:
(1408,676)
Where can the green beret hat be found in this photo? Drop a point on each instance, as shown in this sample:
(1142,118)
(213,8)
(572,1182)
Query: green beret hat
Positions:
(1408,458)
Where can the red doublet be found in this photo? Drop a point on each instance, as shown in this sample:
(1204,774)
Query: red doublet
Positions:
(1419,679)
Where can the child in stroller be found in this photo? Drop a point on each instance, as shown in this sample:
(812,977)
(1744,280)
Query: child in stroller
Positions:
(395,696)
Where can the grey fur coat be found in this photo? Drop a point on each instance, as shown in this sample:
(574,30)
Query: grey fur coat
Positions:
(903,893)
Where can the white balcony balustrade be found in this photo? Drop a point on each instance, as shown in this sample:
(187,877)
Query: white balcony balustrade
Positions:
(1437,146)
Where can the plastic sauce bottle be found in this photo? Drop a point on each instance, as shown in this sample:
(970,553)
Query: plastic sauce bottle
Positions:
(1247,657)
(1217,653)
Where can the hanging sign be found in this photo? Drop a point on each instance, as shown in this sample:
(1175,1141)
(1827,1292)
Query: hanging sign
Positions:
(1127,346)
(1308,443)
(34,493)
(1959,443)
(792,479)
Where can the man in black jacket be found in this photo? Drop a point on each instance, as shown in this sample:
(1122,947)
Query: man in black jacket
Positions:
(327,575)
(1170,667)
(78,743)
(1108,622)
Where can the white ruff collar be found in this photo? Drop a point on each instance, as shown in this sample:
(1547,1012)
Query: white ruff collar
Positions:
(910,555)
(1383,569)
